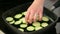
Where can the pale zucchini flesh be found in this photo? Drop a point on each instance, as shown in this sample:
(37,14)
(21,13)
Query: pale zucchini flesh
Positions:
(30,28)
(17,16)
(36,24)
(12,22)
(45,18)
(24,13)
(38,28)
(9,19)
(21,29)
(44,24)
(17,22)
(23,25)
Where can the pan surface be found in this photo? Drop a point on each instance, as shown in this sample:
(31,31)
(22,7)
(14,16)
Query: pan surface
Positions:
(23,8)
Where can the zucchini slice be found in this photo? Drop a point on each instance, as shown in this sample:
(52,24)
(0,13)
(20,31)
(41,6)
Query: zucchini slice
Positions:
(17,16)
(36,24)
(38,28)
(23,25)
(17,22)
(24,13)
(30,28)
(23,20)
(9,19)
(44,24)
(45,18)
(12,22)
(21,29)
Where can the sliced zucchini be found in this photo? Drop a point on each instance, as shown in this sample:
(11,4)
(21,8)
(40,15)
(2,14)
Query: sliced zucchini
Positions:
(45,18)
(23,20)
(44,24)
(23,25)
(17,22)
(9,19)
(17,16)
(12,22)
(21,29)
(38,28)
(36,24)
(24,13)
(30,28)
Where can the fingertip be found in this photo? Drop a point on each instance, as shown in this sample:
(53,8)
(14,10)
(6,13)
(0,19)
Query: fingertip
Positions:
(34,19)
(29,21)
(40,16)
(40,19)
(27,16)
(26,19)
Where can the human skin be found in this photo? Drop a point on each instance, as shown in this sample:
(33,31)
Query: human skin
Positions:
(36,9)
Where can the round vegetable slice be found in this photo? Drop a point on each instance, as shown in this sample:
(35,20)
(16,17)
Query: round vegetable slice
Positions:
(36,24)
(17,22)
(30,28)
(38,28)
(23,20)
(17,16)
(44,24)
(12,22)
(45,18)
(21,29)
(24,13)
(23,25)
(9,19)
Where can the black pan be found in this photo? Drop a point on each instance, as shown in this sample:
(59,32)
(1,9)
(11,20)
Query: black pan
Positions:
(22,8)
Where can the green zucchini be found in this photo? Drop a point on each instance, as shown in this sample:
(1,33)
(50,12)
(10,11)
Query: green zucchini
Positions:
(17,16)
(17,22)
(23,25)
(23,20)
(21,29)
(9,19)
(38,28)
(36,24)
(12,22)
(44,24)
(24,13)
(45,18)
(30,28)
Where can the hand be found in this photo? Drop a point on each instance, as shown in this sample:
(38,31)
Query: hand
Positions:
(36,9)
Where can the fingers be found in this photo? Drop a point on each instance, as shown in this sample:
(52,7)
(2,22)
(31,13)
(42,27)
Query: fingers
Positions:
(35,16)
(27,16)
(31,16)
(40,17)
(35,8)
(40,14)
